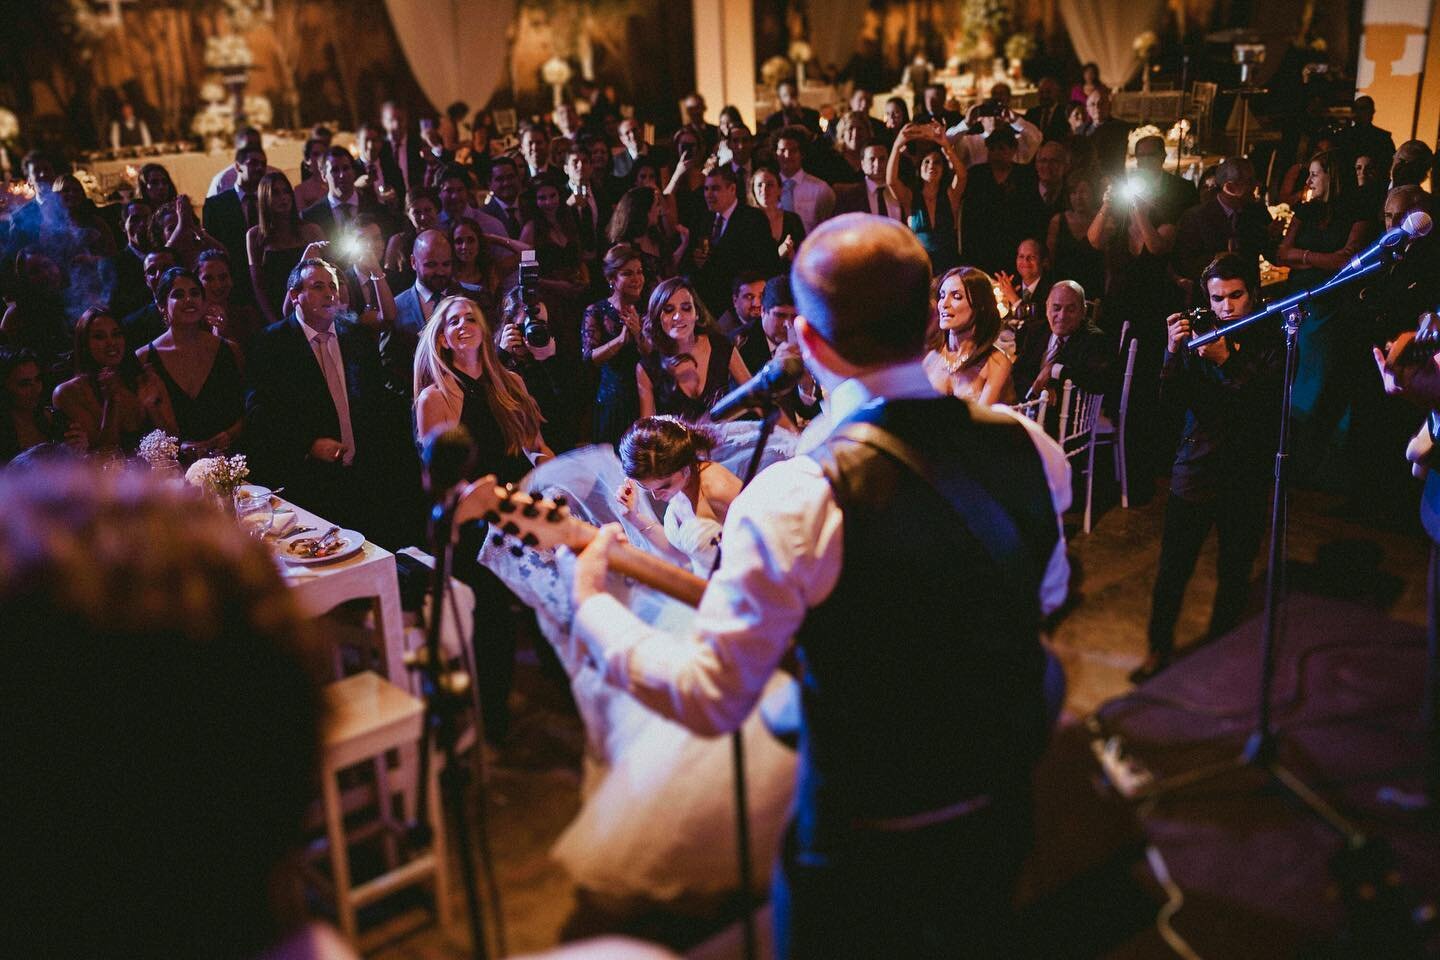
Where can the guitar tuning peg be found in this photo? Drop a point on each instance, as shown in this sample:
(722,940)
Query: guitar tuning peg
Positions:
(509,488)
(530,510)
(506,506)
(511,528)
(561,500)
(517,551)
(554,516)
(530,540)
(537,494)
(498,540)
(492,517)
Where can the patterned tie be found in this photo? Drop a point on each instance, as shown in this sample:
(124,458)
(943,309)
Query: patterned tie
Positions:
(718,230)
(335,380)
(787,195)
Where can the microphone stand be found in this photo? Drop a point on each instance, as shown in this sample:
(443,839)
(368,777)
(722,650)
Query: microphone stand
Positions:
(737,741)
(1260,750)
(446,697)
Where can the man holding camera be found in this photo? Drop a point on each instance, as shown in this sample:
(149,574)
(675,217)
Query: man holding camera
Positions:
(1230,391)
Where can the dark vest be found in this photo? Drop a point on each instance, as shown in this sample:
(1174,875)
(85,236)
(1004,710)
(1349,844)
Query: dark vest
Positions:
(922,671)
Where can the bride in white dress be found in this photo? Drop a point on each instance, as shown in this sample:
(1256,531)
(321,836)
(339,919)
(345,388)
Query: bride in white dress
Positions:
(657,820)
(669,459)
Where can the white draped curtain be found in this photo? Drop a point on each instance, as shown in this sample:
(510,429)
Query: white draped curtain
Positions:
(456,49)
(834,28)
(1104,32)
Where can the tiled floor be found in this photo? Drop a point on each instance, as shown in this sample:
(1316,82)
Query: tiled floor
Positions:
(532,792)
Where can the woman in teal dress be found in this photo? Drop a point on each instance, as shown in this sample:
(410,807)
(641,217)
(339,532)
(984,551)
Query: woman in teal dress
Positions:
(931,202)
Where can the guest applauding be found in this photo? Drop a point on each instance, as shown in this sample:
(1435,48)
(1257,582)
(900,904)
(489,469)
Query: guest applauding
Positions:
(156,186)
(688,367)
(199,371)
(1024,292)
(236,322)
(666,458)
(786,229)
(112,401)
(639,221)
(610,338)
(964,360)
(173,226)
(274,244)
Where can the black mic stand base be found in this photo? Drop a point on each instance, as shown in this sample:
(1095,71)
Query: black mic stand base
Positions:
(1260,750)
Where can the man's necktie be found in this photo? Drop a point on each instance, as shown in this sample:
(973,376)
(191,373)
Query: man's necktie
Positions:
(248,206)
(787,195)
(718,230)
(336,382)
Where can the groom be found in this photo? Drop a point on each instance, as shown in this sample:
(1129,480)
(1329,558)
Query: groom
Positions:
(909,557)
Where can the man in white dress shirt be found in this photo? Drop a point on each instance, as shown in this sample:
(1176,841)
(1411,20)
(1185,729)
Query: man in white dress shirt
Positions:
(800,192)
(919,731)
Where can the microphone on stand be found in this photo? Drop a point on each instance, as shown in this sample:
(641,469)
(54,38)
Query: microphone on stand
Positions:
(448,458)
(1418,224)
(773,381)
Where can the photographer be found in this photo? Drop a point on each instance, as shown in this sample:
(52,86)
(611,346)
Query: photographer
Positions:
(1230,392)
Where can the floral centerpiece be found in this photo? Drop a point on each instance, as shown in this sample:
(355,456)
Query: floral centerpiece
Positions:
(161,451)
(228,52)
(218,476)
(1140,133)
(556,72)
(258,111)
(776,70)
(800,55)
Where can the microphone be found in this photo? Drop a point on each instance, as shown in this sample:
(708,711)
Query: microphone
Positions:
(1418,224)
(448,457)
(775,379)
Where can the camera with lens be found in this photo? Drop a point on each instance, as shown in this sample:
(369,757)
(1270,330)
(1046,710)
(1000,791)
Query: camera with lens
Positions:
(535,330)
(1202,321)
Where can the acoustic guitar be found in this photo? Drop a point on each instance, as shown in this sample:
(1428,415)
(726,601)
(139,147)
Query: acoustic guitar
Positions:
(531,520)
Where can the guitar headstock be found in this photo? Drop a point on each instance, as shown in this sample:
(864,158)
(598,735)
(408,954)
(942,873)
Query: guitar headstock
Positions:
(530,518)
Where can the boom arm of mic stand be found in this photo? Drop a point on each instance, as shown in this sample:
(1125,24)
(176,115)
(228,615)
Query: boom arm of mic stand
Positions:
(1279,307)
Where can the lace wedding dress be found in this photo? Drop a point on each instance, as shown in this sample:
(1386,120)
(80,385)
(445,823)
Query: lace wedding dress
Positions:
(657,819)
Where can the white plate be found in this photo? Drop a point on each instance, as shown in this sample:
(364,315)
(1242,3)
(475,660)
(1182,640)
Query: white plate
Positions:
(350,542)
(252,490)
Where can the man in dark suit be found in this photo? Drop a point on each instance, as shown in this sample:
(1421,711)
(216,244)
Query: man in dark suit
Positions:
(434,264)
(933,108)
(402,161)
(535,152)
(792,112)
(504,202)
(632,141)
(1027,290)
(322,420)
(731,238)
(131,292)
(1230,221)
(342,203)
(1170,196)
(873,194)
(1052,166)
(1108,135)
(693,108)
(592,211)
(1066,347)
(1001,197)
(145,324)
(1049,113)
(229,215)
(741,322)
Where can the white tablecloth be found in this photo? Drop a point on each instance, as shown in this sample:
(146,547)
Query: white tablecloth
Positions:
(192,171)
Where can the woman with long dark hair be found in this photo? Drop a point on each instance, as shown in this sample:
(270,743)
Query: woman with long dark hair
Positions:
(25,421)
(112,398)
(668,459)
(934,198)
(275,243)
(610,336)
(689,366)
(639,221)
(964,360)
(200,371)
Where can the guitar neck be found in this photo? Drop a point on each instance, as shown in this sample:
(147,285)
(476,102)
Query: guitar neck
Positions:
(650,570)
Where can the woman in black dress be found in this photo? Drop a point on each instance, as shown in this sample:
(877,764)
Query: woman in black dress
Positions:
(689,366)
(1071,254)
(459,379)
(200,371)
(275,243)
(639,221)
(610,339)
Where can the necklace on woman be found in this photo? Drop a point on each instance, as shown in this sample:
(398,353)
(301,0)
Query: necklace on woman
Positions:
(953,360)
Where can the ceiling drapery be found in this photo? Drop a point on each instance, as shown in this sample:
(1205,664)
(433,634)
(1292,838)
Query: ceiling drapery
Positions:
(457,50)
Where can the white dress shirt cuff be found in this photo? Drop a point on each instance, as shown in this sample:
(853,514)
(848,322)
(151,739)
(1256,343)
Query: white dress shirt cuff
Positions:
(609,630)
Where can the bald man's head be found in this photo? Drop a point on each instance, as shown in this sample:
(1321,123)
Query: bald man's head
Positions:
(863,283)
(433,261)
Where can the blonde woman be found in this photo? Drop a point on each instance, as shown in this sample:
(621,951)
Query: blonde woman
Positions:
(459,380)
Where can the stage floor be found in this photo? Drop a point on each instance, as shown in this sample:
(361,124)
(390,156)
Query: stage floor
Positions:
(1254,869)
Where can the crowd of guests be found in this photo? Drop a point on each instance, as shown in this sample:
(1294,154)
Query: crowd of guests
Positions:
(322,327)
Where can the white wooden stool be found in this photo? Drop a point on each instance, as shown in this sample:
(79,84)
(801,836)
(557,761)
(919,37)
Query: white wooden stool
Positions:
(368,716)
